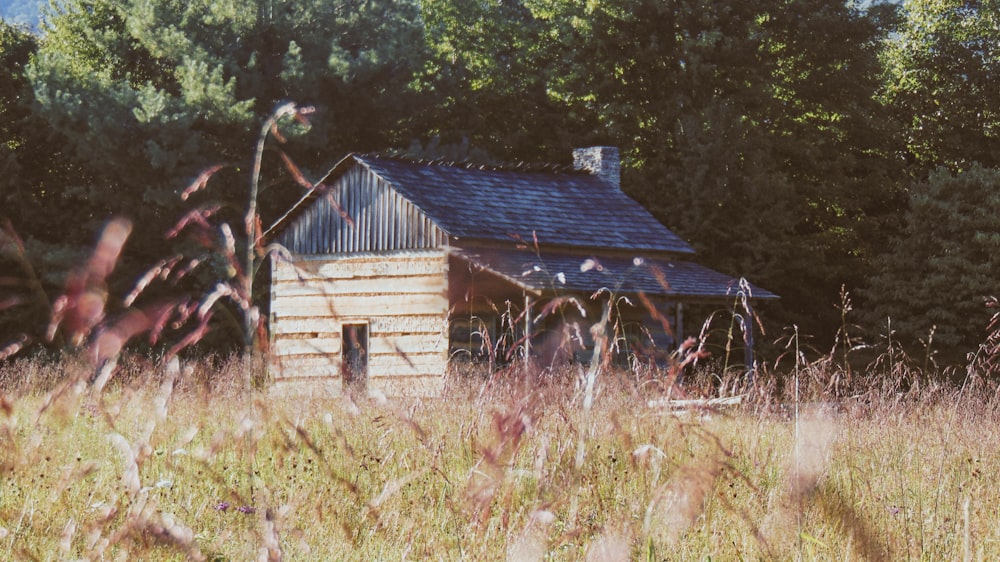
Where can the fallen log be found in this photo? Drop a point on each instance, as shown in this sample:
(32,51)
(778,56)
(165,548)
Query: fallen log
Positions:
(699,403)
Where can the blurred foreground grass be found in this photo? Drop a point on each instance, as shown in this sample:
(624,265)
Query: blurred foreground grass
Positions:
(189,465)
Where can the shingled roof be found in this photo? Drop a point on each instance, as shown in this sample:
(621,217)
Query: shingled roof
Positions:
(566,209)
(559,208)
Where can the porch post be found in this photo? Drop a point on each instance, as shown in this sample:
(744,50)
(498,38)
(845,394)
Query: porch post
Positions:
(528,327)
(679,323)
(748,341)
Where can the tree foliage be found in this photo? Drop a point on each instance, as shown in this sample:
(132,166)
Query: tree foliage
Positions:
(146,94)
(781,137)
(942,74)
(750,128)
(491,71)
(16,47)
(940,82)
(938,272)
(34,256)
(157,90)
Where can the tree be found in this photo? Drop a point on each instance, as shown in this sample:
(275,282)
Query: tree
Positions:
(16,47)
(149,93)
(942,70)
(34,256)
(940,82)
(750,128)
(947,260)
(490,75)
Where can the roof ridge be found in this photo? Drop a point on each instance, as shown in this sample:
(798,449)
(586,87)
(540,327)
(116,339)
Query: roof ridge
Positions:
(525,167)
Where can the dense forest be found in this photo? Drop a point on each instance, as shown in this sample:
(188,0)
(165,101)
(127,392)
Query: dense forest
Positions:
(813,146)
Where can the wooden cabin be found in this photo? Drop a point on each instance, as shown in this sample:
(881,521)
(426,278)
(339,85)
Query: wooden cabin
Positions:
(398,268)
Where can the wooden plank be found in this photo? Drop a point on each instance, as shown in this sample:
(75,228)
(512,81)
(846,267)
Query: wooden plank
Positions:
(392,384)
(305,360)
(283,372)
(408,324)
(412,343)
(697,403)
(303,335)
(429,360)
(282,347)
(303,366)
(305,325)
(376,371)
(424,384)
(304,388)
(375,265)
(329,326)
(305,354)
(360,306)
(379,365)
(360,286)
(291,343)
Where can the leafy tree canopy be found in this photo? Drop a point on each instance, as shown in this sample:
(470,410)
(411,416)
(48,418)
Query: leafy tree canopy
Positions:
(778,136)
(940,83)
(941,79)
(750,128)
(152,91)
(146,94)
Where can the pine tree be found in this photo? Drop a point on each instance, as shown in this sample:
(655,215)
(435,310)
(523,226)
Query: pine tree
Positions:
(946,262)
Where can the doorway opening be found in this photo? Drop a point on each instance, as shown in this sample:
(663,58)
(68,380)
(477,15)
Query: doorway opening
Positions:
(354,358)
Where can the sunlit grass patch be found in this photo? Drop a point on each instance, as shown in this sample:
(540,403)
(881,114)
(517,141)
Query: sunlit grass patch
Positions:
(172,464)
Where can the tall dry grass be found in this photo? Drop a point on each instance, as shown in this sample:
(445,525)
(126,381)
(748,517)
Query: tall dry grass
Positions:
(177,462)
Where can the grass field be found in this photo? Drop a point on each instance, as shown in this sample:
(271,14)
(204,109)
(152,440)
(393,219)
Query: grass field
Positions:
(187,464)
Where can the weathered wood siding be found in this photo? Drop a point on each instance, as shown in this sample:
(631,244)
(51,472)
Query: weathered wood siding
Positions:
(360,213)
(401,296)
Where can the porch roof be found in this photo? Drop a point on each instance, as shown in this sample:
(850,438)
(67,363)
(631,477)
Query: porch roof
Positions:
(555,271)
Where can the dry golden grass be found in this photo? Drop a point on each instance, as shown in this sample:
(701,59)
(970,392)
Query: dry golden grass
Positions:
(176,464)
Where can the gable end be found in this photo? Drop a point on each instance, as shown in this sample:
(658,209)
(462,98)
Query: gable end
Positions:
(360,212)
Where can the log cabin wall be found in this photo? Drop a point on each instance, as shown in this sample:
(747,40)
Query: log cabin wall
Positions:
(401,297)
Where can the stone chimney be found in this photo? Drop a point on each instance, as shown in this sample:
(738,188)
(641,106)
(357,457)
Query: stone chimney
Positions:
(602,161)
